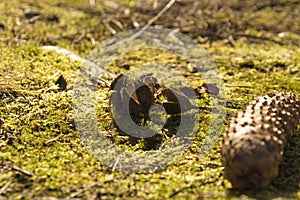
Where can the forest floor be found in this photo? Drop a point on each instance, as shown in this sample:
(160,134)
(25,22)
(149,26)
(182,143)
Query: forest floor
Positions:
(254,45)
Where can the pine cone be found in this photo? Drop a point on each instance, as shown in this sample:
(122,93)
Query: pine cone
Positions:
(254,142)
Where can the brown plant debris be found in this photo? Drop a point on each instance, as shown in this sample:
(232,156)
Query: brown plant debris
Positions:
(138,94)
(141,93)
(62,83)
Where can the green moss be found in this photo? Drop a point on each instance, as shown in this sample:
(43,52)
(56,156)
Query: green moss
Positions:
(37,130)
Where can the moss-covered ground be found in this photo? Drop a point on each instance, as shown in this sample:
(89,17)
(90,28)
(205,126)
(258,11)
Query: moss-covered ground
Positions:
(254,46)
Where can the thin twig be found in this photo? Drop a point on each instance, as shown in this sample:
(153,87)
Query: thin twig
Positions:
(97,79)
(109,27)
(107,20)
(115,164)
(18,169)
(76,57)
(51,140)
(117,23)
(2,190)
(151,21)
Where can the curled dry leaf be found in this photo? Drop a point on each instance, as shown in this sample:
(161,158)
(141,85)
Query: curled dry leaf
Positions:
(207,88)
(139,93)
(177,101)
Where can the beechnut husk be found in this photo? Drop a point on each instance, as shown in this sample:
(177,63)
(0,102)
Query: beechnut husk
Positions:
(254,142)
